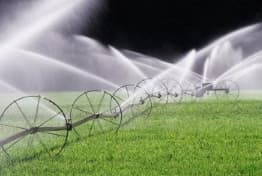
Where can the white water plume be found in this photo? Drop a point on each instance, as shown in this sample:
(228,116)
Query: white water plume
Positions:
(85,61)
(253,59)
(166,74)
(232,47)
(127,62)
(188,63)
(28,33)
(51,69)
(206,68)
(148,60)
(149,70)
(221,59)
(89,55)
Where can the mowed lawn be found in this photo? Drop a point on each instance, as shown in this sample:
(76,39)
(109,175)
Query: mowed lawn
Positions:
(200,138)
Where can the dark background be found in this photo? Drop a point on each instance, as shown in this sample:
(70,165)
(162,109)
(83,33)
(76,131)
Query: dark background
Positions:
(166,28)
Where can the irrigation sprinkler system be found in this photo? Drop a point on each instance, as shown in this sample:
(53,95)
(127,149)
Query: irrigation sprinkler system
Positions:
(164,91)
(225,89)
(134,100)
(41,122)
(48,120)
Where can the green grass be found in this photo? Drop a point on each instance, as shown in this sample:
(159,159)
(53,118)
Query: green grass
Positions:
(205,138)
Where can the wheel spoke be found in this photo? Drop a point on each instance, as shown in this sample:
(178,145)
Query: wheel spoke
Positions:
(37,109)
(100,126)
(11,126)
(100,102)
(30,142)
(51,118)
(55,134)
(120,98)
(5,151)
(109,121)
(92,126)
(23,114)
(43,145)
(91,105)
(79,109)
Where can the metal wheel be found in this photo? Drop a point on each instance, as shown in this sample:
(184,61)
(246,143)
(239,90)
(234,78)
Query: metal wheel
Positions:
(141,103)
(123,93)
(156,90)
(174,91)
(33,124)
(95,112)
(226,90)
(134,101)
(143,84)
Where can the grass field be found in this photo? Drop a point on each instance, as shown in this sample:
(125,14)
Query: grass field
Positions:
(204,138)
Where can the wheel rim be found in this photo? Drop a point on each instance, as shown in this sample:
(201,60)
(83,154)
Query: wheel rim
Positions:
(91,103)
(142,103)
(174,91)
(157,91)
(33,112)
(134,101)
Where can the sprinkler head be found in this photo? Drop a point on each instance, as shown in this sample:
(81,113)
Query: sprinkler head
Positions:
(141,101)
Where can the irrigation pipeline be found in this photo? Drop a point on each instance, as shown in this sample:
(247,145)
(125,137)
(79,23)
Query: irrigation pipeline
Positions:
(115,112)
(69,127)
